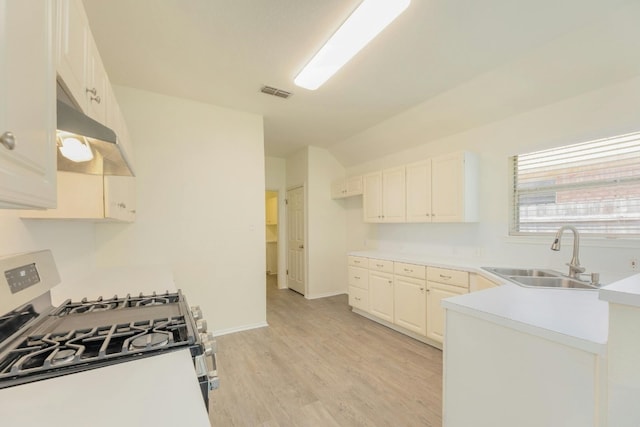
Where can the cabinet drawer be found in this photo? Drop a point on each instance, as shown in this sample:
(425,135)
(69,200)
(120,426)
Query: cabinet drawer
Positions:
(357,261)
(358,277)
(451,277)
(409,270)
(381,265)
(359,298)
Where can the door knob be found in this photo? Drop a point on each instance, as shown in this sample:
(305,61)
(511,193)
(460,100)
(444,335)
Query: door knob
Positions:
(8,140)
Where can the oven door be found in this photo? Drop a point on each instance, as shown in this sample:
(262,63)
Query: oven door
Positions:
(207,372)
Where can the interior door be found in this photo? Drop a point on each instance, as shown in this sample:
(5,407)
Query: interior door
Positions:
(295,240)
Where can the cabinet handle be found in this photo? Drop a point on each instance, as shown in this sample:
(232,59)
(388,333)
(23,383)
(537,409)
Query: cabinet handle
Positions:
(8,140)
(93,91)
(445,277)
(408,270)
(356,277)
(380,265)
(95,98)
(133,211)
(301,247)
(422,289)
(390,282)
(121,205)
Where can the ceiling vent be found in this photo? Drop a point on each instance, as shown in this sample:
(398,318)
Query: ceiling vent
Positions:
(275,92)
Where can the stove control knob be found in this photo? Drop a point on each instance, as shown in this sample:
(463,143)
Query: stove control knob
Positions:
(210,347)
(206,337)
(197,313)
(201,325)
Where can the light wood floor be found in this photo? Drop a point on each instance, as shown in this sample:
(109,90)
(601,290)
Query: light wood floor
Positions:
(318,364)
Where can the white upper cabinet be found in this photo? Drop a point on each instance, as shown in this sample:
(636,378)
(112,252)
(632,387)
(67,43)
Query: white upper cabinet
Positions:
(419,191)
(454,188)
(27,105)
(79,65)
(372,198)
(73,39)
(384,196)
(98,88)
(346,187)
(443,189)
(92,197)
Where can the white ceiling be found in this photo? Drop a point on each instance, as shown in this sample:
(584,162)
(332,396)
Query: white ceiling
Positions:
(449,65)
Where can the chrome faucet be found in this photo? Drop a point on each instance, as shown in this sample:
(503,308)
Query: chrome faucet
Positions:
(574,266)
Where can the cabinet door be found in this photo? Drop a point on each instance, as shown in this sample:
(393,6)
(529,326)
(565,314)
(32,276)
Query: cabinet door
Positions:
(448,188)
(381,295)
(479,283)
(435,313)
(353,186)
(27,105)
(410,304)
(72,48)
(393,195)
(419,192)
(120,198)
(98,87)
(372,197)
(338,189)
(359,298)
(80,196)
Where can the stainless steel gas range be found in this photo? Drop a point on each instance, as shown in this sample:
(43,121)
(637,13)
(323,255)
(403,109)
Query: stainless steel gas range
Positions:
(39,341)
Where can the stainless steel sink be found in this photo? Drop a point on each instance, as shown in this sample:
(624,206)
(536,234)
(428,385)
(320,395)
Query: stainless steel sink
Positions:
(522,272)
(552,282)
(539,278)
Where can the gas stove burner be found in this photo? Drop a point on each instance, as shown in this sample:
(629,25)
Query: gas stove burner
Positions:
(152,301)
(102,306)
(63,356)
(152,340)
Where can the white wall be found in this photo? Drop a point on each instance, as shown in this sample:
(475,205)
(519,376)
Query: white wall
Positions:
(71,242)
(326,227)
(609,111)
(200,207)
(325,220)
(276,179)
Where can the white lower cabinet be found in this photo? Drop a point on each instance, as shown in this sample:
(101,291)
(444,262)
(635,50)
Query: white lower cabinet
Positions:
(442,283)
(358,283)
(435,313)
(404,295)
(410,304)
(381,295)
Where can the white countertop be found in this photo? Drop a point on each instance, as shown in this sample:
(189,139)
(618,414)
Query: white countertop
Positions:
(573,317)
(159,391)
(625,291)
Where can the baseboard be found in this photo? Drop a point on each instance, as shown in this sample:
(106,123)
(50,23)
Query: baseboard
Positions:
(326,295)
(239,329)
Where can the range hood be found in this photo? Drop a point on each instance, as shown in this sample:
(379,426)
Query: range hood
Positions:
(108,159)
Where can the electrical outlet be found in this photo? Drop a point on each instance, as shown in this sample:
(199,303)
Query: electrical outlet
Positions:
(633,263)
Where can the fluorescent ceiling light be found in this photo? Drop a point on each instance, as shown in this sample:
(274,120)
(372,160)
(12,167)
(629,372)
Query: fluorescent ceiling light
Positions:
(75,150)
(366,22)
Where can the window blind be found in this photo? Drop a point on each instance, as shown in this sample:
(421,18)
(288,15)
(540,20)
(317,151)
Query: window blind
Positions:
(594,186)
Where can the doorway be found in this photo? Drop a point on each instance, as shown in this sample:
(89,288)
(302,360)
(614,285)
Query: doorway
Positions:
(271,236)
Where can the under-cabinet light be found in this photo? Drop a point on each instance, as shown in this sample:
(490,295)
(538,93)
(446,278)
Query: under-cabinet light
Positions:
(366,22)
(75,150)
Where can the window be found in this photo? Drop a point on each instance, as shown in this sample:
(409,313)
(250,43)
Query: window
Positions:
(594,186)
